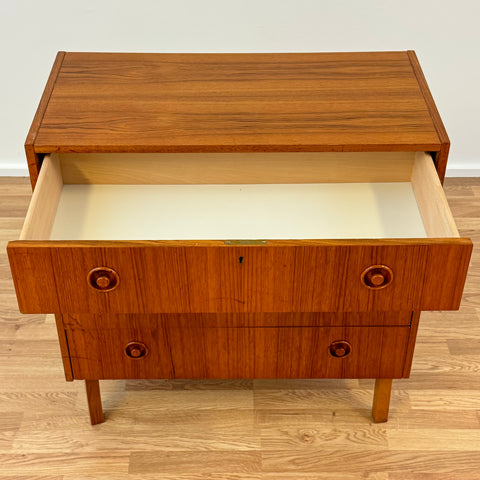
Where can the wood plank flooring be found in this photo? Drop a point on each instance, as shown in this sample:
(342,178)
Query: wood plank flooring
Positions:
(242,430)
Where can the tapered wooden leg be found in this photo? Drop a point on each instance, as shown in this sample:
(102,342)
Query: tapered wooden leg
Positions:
(381,399)
(94,401)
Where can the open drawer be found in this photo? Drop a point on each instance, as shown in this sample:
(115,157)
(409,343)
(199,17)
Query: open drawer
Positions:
(286,232)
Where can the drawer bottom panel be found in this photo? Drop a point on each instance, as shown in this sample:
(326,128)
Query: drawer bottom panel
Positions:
(229,353)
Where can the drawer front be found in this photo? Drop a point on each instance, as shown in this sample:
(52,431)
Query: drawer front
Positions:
(102,353)
(223,353)
(308,276)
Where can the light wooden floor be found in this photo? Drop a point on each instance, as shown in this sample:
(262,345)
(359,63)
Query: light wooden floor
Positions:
(278,430)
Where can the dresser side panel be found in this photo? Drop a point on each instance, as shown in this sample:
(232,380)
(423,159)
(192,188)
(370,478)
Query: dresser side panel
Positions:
(441,157)
(33,158)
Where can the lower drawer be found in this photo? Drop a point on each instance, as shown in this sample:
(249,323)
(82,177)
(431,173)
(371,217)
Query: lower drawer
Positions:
(225,353)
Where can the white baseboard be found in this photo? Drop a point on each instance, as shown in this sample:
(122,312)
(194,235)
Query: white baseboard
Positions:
(13,170)
(463,172)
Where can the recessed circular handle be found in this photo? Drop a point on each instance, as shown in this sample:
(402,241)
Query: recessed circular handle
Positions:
(340,348)
(103,279)
(136,350)
(377,277)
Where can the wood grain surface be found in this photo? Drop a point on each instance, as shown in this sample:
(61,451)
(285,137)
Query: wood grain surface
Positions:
(296,276)
(41,213)
(245,352)
(62,340)
(237,102)
(235,168)
(381,399)
(441,156)
(236,320)
(94,401)
(241,429)
(33,158)
(433,206)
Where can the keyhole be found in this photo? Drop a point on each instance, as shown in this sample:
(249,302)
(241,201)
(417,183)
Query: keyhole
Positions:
(240,259)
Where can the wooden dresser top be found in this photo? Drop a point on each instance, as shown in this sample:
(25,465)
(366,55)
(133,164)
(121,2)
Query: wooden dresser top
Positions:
(112,102)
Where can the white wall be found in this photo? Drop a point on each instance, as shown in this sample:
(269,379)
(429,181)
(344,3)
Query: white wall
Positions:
(445,35)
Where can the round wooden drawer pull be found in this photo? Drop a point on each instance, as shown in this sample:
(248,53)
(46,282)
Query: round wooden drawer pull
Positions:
(103,279)
(377,277)
(339,349)
(136,350)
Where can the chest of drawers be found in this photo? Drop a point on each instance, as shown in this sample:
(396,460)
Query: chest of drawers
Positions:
(238,216)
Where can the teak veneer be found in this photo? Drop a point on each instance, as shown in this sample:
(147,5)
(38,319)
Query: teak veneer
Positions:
(183,221)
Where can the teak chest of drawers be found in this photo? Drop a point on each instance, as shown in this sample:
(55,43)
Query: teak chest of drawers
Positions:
(238,216)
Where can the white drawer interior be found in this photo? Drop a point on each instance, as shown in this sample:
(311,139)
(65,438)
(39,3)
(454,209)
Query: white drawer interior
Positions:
(218,212)
(321,196)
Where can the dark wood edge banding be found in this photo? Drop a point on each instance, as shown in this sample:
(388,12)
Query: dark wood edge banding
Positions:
(63,340)
(411,344)
(33,159)
(235,148)
(441,156)
(427,95)
(441,159)
(221,243)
